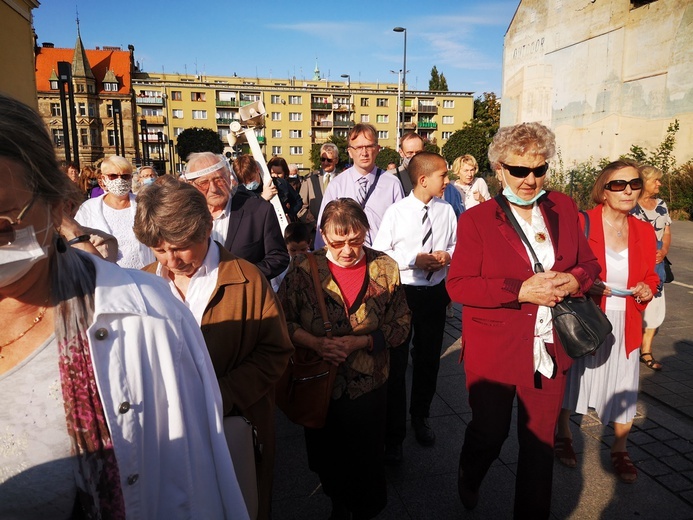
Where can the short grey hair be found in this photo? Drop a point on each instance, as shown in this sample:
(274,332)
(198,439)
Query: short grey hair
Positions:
(331,147)
(532,138)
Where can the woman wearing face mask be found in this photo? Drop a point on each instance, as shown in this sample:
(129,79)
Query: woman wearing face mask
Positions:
(108,386)
(146,176)
(89,183)
(114,212)
(508,343)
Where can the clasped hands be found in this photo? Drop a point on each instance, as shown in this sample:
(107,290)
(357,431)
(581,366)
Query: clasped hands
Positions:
(434,261)
(335,350)
(548,288)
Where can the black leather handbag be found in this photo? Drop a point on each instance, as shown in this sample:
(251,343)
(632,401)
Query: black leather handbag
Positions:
(580,324)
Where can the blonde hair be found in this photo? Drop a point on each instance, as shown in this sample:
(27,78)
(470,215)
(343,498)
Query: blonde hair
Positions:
(120,164)
(648,172)
(464,159)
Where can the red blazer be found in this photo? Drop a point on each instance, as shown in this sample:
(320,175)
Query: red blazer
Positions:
(488,268)
(642,249)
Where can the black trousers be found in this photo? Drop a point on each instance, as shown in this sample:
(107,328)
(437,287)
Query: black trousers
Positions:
(347,453)
(428,307)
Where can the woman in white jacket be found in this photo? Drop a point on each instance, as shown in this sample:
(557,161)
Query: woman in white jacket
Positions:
(113,408)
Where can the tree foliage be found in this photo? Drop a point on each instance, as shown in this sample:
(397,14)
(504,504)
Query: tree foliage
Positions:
(387,156)
(196,139)
(341,143)
(437,81)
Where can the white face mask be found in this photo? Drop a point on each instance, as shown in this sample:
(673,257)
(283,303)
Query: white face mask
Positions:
(118,187)
(17,258)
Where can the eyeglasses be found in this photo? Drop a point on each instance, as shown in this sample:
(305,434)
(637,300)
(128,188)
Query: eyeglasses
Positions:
(365,148)
(203,184)
(620,185)
(523,171)
(340,244)
(7,225)
(412,153)
(325,159)
(114,176)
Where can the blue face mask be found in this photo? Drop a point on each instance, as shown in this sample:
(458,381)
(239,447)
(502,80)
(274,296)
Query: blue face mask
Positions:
(513,198)
(148,180)
(252,186)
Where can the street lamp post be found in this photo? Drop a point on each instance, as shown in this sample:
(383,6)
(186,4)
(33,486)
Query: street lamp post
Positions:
(65,75)
(399,91)
(348,78)
(404,78)
(116,107)
(145,142)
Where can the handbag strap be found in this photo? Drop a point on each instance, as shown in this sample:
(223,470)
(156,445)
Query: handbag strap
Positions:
(318,293)
(538,268)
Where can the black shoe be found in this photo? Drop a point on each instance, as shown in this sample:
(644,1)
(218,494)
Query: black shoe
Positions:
(424,434)
(468,495)
(393,454)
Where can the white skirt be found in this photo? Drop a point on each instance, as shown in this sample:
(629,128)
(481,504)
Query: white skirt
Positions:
(654,314)
(607,381)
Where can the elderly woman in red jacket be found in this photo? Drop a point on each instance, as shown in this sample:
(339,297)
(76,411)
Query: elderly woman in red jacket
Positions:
(508,343)
(626,249)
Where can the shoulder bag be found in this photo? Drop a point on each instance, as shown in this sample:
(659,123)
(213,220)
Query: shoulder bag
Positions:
(305,389)
(580,324)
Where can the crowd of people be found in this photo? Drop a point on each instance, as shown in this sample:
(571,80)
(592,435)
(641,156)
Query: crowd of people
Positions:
(139,309)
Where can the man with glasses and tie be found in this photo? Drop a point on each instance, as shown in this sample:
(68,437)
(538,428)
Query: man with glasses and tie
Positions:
(419,232)
(245,225)
(364,181)
(313,188)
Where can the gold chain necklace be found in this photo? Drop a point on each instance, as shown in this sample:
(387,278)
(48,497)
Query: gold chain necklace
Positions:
(618,231)
(35,322)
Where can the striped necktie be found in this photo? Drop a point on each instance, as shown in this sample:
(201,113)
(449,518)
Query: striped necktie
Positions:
(363,185)
(427,242)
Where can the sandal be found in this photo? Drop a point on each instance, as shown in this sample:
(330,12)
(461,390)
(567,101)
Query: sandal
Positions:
(563,450)
(625,470)
(650,363)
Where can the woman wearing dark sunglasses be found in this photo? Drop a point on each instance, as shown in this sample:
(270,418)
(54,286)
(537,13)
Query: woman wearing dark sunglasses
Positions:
(508,343)
(114,212)
(608,381)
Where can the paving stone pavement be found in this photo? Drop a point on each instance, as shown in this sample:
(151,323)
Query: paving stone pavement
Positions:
(424,486)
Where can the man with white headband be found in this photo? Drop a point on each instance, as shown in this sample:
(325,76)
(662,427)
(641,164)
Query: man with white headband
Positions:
(246,226)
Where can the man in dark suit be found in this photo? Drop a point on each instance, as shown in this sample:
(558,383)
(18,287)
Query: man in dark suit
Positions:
(244,224)
(315,184)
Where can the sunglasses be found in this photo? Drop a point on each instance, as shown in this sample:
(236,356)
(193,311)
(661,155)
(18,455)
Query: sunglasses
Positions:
(523,171)
(620,185)
(340,244)
(7,225)
(325,159)
(114,176)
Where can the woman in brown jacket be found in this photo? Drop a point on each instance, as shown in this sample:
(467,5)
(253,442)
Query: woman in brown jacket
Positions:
(241,320)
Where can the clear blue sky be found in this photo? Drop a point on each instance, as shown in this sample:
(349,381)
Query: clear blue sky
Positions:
(279,39)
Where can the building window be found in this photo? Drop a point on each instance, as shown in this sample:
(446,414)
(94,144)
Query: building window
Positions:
(92,110)
(54,84)
(381,118)
(58,136)
(295,116)
(81,109)
(223,133)
(341,133)
(446,135)
(177,113)
(276,150)
(199,114)
(365,118)
(110,87)
(176,95)
(448,103)
(276,116)
(84,136)
(383,134)
(295,100)
(55,110)
(296,150)
(94,134)
(448,120)
(277,134)
(197,96)
(111,138)
(90,88)
(365,101)
(275,99)
(80,87)
(177,130)
(295,134)
(381,102)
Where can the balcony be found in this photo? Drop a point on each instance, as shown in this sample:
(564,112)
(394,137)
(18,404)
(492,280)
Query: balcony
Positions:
(321,106)
(261,139)
(155,120)
(342,107)
(246,102)
(321,122)
(431,125)
(225,120)
(343,124)
(428,109)
(410,126)
(146,100)
(221,103)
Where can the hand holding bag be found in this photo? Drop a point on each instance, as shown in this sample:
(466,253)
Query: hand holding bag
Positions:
(579,323)
(304,391)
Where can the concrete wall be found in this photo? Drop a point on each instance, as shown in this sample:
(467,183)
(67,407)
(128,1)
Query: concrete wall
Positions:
(17,50)
(603,74)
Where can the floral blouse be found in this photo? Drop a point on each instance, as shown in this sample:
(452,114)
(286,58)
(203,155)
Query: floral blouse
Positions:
(380,310)
(659,217)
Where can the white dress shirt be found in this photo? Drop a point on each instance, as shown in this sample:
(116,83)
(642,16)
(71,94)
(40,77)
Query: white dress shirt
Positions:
(202,283)
(220,224)
(401,234)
